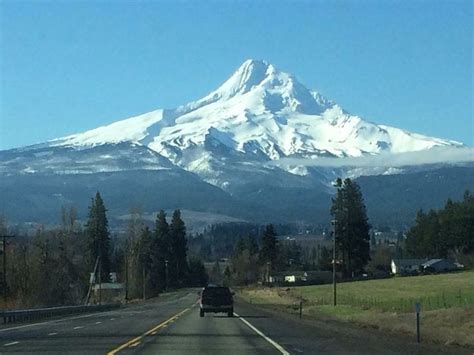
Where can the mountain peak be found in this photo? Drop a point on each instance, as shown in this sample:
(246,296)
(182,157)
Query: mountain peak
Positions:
(259,109)
(251,73)
(260,81)
(254,62)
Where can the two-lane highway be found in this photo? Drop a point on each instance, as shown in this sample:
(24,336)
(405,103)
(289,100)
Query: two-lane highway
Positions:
(172,326)
(214,334)
(95,333)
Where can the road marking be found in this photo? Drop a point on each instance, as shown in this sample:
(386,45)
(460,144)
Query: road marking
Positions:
(12,343)
(135,344)
(79,327)
(52,334)
(54,321)
(137,339)
(271,341)
(98,322)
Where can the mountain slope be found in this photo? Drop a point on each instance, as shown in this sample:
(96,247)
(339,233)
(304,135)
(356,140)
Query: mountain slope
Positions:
(231,139)
(263,113)
(258,115)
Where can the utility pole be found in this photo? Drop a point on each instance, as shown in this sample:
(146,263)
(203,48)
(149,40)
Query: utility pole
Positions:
(268,272)
(100,281)
(4,237)
(166,275)
(126,278)
(144,283)
(334,222)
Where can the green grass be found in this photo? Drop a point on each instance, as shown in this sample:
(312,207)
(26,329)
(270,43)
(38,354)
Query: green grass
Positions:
(396,294)
(447,302)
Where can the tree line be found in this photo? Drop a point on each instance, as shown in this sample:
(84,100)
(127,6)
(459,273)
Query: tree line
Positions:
(445,232)
(54,266)
(257,257)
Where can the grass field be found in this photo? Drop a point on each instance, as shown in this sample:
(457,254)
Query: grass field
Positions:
(447,302)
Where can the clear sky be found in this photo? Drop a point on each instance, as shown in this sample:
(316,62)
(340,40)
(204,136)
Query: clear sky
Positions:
(71,66)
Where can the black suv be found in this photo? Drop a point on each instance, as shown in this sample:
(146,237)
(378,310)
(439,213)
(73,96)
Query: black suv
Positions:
(216,299)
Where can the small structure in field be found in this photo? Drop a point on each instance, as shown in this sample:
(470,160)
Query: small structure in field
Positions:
(276,278)
(308,277)
(416,266)
(295,276)
(439,265)
(406,266)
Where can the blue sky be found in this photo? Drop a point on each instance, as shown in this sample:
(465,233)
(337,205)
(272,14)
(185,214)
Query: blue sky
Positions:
(71,66)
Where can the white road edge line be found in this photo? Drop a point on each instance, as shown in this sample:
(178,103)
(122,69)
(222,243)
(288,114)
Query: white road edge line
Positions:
(55,321)
(50,334)
(12,343)
(271,341)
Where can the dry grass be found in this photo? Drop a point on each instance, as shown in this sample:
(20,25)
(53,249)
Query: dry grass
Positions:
(448,318)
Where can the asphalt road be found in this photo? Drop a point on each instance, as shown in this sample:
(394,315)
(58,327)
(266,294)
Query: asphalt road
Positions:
(173,326)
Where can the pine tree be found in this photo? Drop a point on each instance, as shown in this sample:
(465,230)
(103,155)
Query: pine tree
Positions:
(268,253)
(197,276)
(98,236)
(437,234)
(179,247)
(160,251)
(352,227)
(239,246)
(251,244)
(324,262)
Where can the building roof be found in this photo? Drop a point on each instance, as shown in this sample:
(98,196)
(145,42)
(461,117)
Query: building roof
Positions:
(295,273)
(432,262)
(409,262)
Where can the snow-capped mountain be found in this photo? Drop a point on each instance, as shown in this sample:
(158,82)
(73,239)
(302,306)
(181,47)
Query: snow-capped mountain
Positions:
(262,111)
(259,114)
(239,138)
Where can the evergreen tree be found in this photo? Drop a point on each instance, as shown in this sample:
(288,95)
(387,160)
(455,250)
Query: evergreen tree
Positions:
(216,274)
(269,251)
(251,244)
(98,236)
(160,251)
(438,234)
(324,262)
(373,241)
(352,227)
(197,276)
(239,246)
(179,248)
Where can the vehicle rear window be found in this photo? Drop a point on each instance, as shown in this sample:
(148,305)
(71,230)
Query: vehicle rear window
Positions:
(216,291)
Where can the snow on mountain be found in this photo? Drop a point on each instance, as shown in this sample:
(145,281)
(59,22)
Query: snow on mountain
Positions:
(259,108)
(258,115)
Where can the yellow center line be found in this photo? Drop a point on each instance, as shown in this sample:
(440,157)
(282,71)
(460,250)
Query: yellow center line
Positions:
(136,341)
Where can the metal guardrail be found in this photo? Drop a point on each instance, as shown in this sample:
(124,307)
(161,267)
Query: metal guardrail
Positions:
(23,315)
